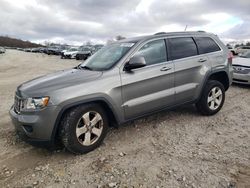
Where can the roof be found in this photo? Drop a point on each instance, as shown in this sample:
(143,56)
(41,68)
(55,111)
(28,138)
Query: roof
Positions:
(160,34)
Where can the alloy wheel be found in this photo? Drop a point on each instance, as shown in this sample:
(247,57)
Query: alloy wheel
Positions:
(89,128)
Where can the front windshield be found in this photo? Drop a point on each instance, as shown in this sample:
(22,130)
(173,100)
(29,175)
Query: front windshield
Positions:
(245,54)
(107,56)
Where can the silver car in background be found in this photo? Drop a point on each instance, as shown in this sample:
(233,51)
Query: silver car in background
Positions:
(241,66)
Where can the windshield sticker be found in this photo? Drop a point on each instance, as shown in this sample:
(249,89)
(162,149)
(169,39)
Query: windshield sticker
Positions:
(127,45)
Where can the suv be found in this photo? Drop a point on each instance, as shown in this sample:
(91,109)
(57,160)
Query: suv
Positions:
(123,81)
(84,53)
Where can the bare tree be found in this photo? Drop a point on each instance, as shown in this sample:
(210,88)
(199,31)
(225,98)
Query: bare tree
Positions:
(119,37)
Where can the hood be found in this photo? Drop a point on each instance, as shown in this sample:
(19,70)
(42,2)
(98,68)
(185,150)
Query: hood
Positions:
(57,80)
(241,61)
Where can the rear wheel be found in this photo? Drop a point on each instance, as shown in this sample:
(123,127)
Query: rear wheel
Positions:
(84,128)
(212,98)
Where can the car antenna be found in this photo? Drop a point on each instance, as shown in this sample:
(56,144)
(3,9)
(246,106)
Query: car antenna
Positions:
(186,28)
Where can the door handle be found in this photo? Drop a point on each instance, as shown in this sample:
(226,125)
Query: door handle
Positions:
(165,68)
(202,60)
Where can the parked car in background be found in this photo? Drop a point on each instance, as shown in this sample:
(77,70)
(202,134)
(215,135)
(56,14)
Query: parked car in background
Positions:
(2,50)
(27,49)
(123,81)
(70,54)
(35,50)
(241,66)
(54,51)
(242,49)
(84,52)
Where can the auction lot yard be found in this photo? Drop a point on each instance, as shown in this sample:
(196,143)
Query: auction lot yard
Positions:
(177,148)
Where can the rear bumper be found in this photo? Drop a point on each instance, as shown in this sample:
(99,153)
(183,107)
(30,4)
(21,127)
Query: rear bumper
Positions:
(241,78)
(37,127)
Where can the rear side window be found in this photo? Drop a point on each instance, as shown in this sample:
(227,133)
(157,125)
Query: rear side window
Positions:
(181,47)
(154,52)
(206,45)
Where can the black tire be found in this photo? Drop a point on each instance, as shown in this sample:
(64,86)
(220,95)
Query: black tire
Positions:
(70,122)
(203,104)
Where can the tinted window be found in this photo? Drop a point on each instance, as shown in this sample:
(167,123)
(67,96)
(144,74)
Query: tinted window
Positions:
(181,47)
(153,52)
(206,45)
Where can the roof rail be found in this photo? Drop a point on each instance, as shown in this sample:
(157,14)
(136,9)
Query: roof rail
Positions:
(160,33)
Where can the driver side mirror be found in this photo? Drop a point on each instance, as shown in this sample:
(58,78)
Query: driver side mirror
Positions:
(134,63)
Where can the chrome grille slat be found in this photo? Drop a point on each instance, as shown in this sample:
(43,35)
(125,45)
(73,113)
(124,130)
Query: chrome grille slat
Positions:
(17,104)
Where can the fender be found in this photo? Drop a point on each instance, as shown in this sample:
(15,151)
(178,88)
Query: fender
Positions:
(208,75)
(66,107)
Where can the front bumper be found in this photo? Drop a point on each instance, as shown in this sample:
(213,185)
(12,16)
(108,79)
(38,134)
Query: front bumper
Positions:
(241,78)
(35,127)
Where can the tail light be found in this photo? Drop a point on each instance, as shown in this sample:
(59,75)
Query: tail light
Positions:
(230,58)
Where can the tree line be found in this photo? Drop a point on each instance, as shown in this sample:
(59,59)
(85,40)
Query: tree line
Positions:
(12,42)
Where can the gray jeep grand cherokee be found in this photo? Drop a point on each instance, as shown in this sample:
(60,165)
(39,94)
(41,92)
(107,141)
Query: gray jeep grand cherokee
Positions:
(121,82)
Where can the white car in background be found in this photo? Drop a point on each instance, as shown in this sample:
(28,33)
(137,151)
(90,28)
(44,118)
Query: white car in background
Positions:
(70,54)
(241,66)
(242,49)
(2,50)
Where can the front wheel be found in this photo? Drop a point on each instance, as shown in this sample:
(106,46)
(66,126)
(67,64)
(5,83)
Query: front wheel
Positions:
(212,99)
(84,128)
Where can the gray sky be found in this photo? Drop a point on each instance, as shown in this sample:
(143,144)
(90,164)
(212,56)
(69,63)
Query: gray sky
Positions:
(78,21)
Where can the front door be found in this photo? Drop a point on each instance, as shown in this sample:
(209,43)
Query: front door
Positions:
(151,87)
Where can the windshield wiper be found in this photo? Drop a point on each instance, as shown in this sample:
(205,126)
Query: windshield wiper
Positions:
(85,67)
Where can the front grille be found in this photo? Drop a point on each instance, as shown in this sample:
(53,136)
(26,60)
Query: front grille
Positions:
(241,69)
(18,104)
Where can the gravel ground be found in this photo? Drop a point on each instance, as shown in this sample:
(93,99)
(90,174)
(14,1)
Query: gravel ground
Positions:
(177,148)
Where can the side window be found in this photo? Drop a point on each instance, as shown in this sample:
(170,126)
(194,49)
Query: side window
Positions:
(181,47)
(154,52)
(206,45)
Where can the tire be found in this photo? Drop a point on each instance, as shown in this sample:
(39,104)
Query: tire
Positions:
(77,134)
(212,99)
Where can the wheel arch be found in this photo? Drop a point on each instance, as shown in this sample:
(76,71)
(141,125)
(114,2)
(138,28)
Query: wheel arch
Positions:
(112,116)
(220,76)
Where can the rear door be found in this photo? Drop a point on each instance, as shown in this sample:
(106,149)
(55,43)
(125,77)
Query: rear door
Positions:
(151,87)
(190,67)
(216,56)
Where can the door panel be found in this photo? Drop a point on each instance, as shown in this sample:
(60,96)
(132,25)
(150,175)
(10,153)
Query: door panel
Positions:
(147,89)
(190,68)
(189,74)
(151,87)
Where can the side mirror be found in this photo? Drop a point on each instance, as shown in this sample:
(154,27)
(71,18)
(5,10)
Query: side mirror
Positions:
(134,63)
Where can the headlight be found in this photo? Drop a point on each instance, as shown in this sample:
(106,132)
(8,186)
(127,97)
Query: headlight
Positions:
(35,103)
